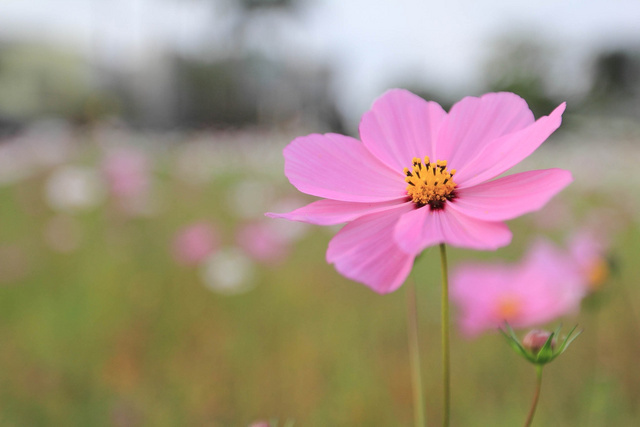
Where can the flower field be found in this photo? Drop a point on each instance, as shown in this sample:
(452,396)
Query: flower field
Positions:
(141,284)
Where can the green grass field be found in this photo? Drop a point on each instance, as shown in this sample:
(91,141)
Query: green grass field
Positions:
(112,332)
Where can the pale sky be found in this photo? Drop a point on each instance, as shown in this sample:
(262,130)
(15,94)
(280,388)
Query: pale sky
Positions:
(369,43)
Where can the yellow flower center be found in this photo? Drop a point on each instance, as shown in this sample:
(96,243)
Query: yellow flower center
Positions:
(508,307)
(430,184)
(598,273)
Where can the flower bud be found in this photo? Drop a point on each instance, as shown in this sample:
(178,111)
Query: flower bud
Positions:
(535,340)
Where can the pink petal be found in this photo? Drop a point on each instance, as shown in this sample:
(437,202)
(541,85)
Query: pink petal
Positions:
(474,122)
(401,126)
(552,273)
(508,150)
(330,212)
(511,196)
(475,289)
(338,167)
(542,287)
(365,251)
(421,228)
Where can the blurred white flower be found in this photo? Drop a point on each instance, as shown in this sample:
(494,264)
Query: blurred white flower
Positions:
(74,189)
(228,272)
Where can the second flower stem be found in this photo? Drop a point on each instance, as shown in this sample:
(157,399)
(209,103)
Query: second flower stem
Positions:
(446,388)
(414,355)
(536,396)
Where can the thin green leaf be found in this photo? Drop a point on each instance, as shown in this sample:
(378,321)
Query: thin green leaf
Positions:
(568,341)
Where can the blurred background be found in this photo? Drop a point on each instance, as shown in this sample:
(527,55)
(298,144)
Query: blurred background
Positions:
(141,142)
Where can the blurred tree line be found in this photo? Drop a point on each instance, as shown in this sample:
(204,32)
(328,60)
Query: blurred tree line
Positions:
(244,86)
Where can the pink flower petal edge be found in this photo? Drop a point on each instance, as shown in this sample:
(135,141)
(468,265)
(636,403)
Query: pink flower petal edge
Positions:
(421,228)
(340,168)
(511,196)
(400,126)
(474,122)
(331,212)
(503,153)
(364,250)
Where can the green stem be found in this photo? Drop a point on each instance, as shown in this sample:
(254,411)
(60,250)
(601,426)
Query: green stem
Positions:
(414,355)
(536,396)
(446,388)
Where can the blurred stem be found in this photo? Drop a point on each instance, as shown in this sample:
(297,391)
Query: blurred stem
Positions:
(446,388)
(536,396)
(414,355)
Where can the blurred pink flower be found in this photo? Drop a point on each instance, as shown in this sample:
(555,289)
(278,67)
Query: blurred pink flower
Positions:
(589,254)
(127,173)
(194,243)
(419,178)
(543,287)
(263,243)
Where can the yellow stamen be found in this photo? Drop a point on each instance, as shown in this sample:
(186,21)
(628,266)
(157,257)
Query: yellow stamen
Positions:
(430,184)
(598,273)
(508,307)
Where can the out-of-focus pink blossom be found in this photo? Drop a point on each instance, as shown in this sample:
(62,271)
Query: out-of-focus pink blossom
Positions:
(128,176)
(127,173)
(544,286)
(588,251)
(194,243)
(263,243)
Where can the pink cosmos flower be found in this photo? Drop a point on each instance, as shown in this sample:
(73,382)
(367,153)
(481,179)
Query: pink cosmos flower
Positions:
(127,172)
(543,287)
(192,244)
(589,254)
(263,243)
(420,177)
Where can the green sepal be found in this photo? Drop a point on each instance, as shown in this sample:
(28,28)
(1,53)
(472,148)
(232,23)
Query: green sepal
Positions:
(547,353)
